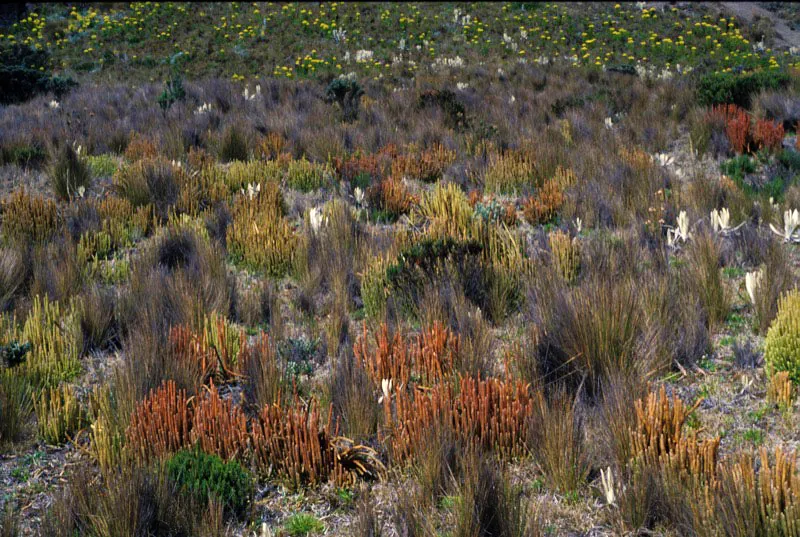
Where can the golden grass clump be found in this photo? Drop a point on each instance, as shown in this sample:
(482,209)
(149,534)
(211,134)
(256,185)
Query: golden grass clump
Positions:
(259,236)
(28,217)
(447,210)
(59,414)
(306,176)
(566,254)
(270,146)
(510,172)
(238,175)
(374,288)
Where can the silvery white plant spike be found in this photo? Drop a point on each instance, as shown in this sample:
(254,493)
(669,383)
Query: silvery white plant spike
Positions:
(752,282)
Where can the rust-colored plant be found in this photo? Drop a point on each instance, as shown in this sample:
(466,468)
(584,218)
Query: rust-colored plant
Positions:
(488,413)
(160,424)
(391,196)
(427,358)
(140,148)
(427,165)
(362,167)
(294,443)
(544,205)
(737,125)
(220,426)
(768,135)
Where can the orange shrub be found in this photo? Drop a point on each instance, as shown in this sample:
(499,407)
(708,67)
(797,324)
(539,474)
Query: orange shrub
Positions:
(391,196)
(489,413)
(160,424)
(737,125)
(219,426)
(271,146)
(544,205)
(428,357)
(140,148)
(295,443)
(768,135)
(427,165)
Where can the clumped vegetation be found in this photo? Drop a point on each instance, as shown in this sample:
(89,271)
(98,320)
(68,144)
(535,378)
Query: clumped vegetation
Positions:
(473,270)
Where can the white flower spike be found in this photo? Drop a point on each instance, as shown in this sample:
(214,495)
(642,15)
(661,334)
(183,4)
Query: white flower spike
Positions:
(752,282)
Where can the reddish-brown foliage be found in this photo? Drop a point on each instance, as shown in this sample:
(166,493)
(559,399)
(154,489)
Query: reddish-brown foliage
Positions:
(160,424)
(428,357)
(768,135)
(488,413)
(391,196)
(295,443)
(427,165)
(737,125)
(544,205)
(219,426)
(376,165)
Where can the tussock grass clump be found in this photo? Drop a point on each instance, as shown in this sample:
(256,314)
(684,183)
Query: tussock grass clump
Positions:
(16,405)
(69,175)
(556,441)
(150,181)
(706,279)
(13,273)
(591,332)
(234,145)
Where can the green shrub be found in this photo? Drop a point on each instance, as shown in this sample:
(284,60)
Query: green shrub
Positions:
(24,155)
(202,475)
(305,176)
(347,93)
(782,349)
(102,165)
(430,259)
(24,74)
(725,88)
(173,92)
(69,174)
(302,524)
